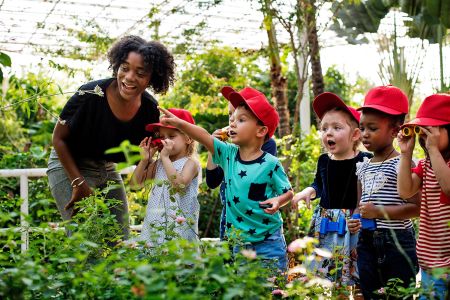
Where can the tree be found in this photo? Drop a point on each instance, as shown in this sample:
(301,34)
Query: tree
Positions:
(277,79)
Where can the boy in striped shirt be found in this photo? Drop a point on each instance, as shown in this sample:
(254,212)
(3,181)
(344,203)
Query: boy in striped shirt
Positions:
(387,248)
(432,177)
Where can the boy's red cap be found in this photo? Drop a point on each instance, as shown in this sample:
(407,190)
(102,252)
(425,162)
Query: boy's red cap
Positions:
(327,101)
(257,102)
(388,99)
(180,113)
(434,111)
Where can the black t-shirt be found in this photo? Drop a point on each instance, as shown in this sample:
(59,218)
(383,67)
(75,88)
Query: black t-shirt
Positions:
(335,181)
(94,128)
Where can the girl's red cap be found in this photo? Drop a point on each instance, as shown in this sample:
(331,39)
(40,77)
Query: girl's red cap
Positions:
(327,101)
(434,111)
(180,113)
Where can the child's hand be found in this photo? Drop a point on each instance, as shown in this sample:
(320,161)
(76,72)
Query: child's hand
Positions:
(147,149)
(369,211)
(217,134)
(433,134)
(354,225)
(271,205)
(406,143)
(167,148)
(303,195)
(168,118)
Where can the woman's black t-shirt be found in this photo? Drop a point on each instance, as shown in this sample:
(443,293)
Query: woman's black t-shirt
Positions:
(94,128)
(335,181)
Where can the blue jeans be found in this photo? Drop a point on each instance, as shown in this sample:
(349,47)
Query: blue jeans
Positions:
(272,251)
(384,254)
(97,174)
(434,288)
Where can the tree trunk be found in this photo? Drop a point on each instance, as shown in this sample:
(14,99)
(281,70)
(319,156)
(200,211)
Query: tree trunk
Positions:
(316,66)
(278,82)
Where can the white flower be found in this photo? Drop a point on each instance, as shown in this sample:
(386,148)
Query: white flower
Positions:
(98,91)
(323,252)
(61,121)
(81,92)
(297,269)
(325,283)
(300,244)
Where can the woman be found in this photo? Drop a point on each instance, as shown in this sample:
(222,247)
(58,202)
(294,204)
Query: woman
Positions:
(100,116)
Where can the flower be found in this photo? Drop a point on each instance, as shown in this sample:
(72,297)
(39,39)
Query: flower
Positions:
(323,252)
(297,269)
(180,220)
(279,292)
(250,254)
(381,291)
(98,91)
(325,283)
(272,279)
(138,290)
(299,244)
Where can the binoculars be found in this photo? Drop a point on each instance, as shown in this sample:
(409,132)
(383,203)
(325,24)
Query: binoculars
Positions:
(369,224)
(410,130)
(224,133)
(157,143)
(326,225)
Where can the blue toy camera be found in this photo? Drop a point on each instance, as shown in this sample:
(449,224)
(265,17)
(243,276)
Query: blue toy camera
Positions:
(369,224)
(326,225)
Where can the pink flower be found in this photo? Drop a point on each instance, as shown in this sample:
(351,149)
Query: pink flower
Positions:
(279,292)
(180,220)
(381,291)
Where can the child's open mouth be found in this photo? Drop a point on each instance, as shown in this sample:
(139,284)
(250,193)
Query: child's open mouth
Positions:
(331,143)
(231,133)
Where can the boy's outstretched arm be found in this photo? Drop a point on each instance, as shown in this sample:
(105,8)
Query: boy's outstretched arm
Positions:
(195,132)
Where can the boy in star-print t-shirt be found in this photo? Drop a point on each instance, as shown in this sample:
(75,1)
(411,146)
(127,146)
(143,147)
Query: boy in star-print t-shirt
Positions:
(256,185)
(247,184)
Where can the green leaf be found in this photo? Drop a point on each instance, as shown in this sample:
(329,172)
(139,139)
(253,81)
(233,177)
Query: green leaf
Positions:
(220,279)
(5,59)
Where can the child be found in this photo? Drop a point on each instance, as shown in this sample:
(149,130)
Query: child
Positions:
(256,185)
(432,177)
(214,173)
(335,185)
(387,251)
(176,164)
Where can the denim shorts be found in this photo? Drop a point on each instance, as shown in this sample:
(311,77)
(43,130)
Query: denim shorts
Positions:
(97,174)
(272,251)
(434,287)
(385,254)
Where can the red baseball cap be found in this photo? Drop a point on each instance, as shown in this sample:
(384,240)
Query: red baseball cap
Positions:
(434,111)
(257,102)
(388,99)
(180,113)
(327,101)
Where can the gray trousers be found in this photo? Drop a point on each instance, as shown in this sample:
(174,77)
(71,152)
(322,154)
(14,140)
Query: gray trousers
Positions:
(97,174)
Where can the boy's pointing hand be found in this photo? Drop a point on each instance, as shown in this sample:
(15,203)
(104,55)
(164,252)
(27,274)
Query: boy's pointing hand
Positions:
(168,118)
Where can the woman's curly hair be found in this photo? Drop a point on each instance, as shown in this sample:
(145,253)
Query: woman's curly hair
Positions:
(157,60)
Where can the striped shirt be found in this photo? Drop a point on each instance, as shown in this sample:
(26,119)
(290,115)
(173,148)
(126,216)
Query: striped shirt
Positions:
(379,186)
(433,246)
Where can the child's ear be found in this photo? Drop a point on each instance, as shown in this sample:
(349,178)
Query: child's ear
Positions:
(356,135)
(262,131)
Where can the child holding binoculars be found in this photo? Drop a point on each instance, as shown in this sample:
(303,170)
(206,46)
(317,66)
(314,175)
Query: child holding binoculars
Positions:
(385,251)
(335,185)
(432,178)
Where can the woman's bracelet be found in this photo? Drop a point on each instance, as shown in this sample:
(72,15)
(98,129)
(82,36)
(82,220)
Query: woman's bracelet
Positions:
(73,184)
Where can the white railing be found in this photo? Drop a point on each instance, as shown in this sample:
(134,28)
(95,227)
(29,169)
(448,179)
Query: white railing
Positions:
(23,175)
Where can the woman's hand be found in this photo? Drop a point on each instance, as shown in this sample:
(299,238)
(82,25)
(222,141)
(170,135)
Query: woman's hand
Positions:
(78,193)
